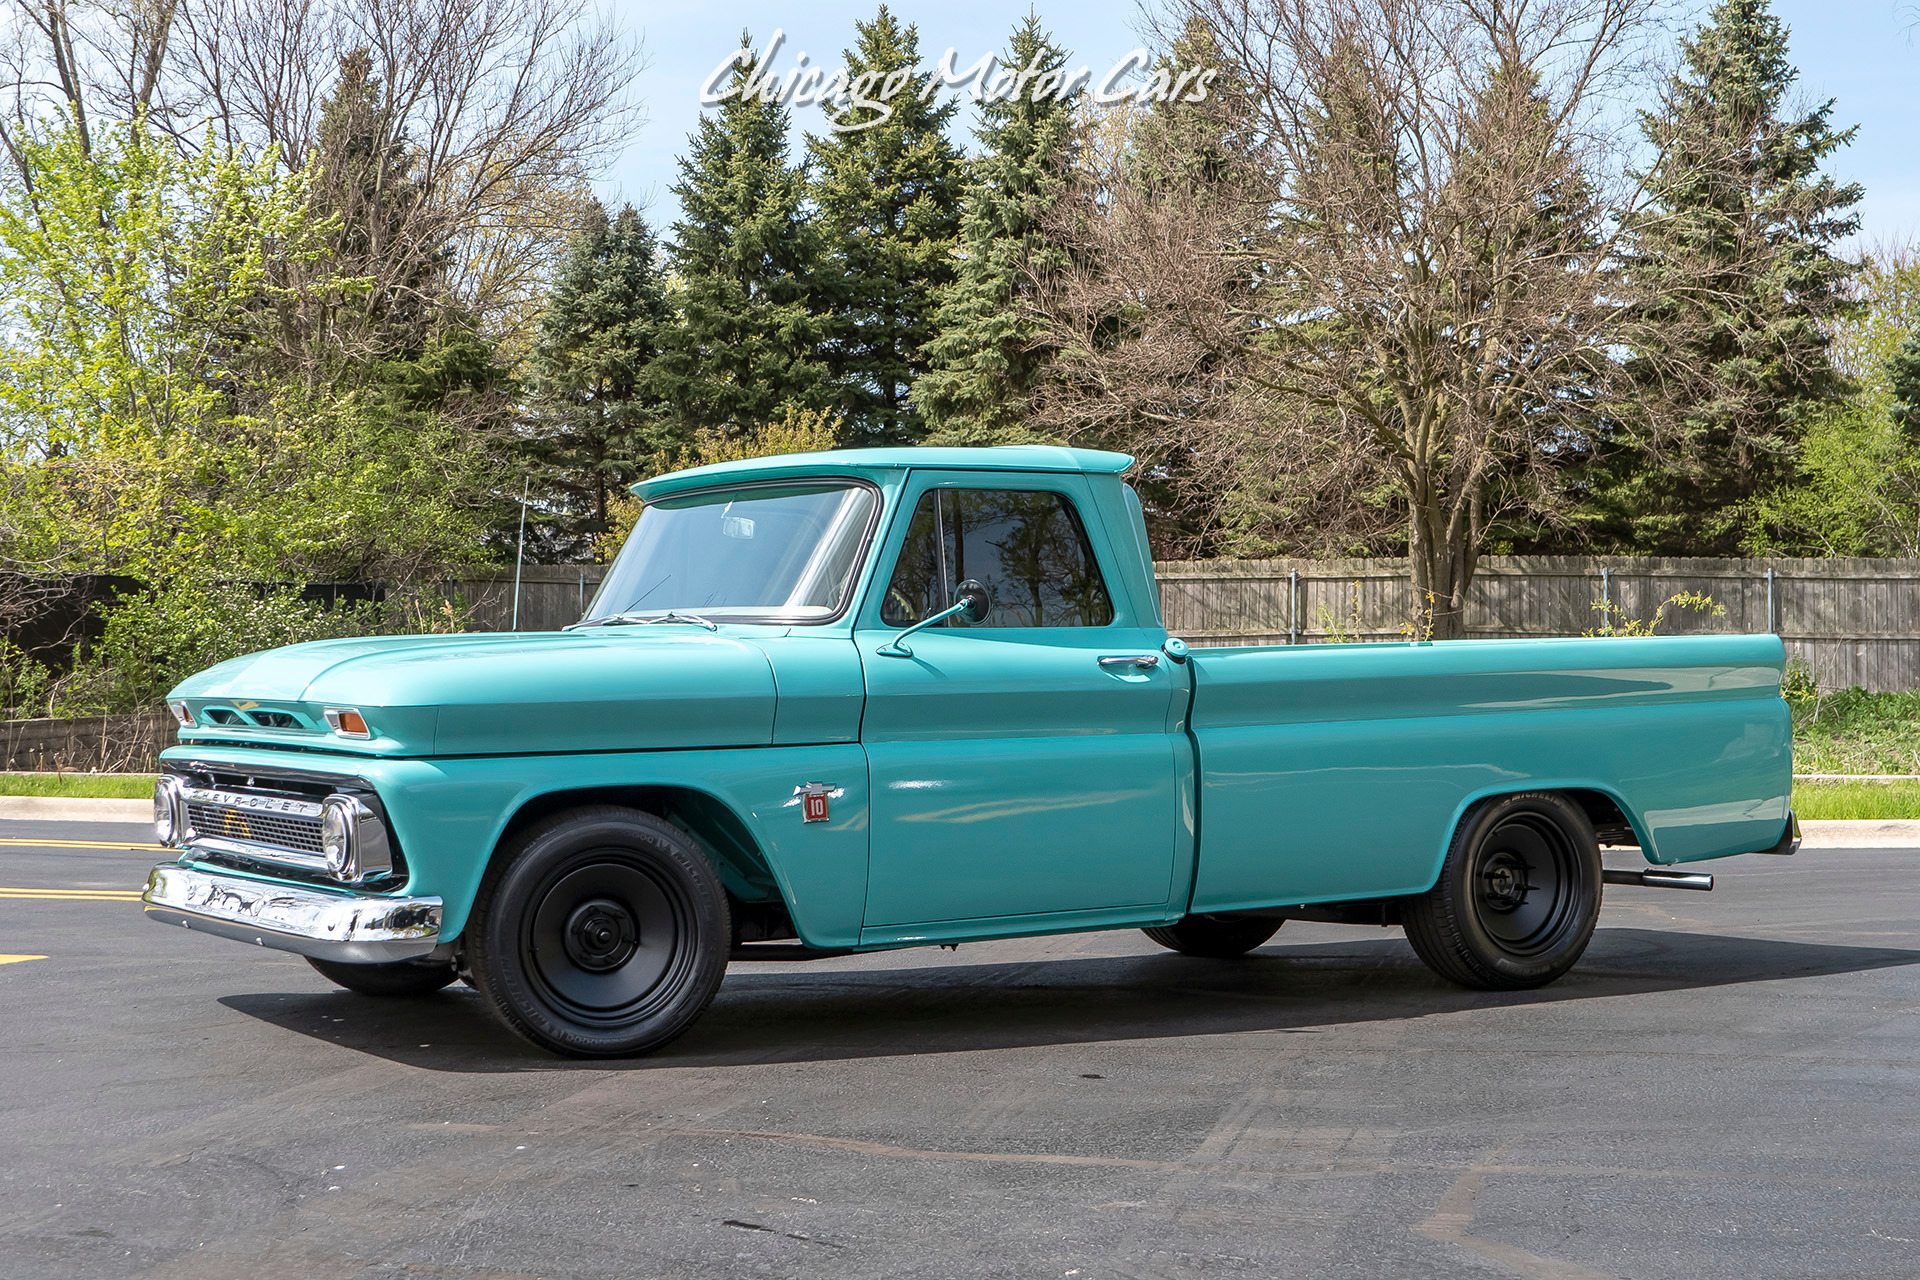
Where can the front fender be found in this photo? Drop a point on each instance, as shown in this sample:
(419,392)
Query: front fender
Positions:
(450,814)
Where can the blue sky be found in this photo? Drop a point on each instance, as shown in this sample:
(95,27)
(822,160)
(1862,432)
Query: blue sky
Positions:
(1864,53)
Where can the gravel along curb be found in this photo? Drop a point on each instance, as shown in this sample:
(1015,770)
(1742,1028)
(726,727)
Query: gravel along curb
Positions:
(73,809)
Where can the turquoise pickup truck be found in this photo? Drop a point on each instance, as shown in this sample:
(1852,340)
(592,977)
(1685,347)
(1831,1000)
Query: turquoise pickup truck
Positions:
(861,700)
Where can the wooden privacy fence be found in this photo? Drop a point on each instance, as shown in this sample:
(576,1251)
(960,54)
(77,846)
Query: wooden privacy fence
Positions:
(550,596)
(102,744)
(1854,622)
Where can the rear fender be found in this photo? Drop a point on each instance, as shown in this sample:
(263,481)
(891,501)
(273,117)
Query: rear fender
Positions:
(1593,797)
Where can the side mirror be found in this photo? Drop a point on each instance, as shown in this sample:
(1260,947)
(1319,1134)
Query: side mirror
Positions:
(972,604)
(977,599)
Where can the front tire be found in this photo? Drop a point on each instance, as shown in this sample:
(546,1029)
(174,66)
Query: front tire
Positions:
(1517,898)
(1214,938)
(398,978)
(600,933)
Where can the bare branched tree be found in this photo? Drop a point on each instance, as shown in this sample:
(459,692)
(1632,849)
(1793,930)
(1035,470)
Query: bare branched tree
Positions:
(497,112)
(502,109)
(1392,306)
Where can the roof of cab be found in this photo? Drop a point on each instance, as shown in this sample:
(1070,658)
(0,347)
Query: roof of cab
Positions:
(840,462)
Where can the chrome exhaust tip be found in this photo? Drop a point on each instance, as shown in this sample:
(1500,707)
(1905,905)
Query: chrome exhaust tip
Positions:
(1654,878)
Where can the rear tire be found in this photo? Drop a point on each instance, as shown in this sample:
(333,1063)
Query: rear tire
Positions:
(1214,938)
(398,978)
(1518,895)
(599,933)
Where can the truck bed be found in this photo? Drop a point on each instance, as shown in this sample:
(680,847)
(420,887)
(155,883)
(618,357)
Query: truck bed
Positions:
(1338,771)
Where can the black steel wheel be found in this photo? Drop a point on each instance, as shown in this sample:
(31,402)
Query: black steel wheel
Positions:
(397,978)
(599,933)
(1213,937)
(1517,898)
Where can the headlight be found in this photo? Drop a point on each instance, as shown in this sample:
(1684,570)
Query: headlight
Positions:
(169,812)
(337,833)
(353,839)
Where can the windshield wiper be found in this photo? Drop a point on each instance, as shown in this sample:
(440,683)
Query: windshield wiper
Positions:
(671,616)
(646,620)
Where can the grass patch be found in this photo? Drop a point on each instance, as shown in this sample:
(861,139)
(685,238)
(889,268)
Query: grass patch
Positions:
(85,786)
(1815,800)
(1854,731)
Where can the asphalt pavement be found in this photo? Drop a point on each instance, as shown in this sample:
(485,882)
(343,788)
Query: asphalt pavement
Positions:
(1725,1087)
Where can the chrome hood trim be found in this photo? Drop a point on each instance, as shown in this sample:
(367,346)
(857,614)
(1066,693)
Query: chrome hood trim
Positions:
(352,928)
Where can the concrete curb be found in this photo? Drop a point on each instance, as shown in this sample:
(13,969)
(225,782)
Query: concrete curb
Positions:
(1856,777)
(1832,833)
(70,809)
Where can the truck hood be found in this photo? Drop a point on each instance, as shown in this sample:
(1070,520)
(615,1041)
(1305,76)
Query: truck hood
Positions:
(604,689)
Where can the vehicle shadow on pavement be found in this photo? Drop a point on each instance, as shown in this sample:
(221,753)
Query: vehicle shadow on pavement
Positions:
(805,1014)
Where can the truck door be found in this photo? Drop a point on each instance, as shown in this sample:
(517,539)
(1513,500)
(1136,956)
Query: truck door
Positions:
(1026,764)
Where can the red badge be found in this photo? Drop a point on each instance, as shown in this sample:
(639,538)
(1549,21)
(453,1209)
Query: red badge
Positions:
(813,804)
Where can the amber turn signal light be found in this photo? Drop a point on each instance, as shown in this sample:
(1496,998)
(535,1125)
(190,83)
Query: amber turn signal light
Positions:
(347,722)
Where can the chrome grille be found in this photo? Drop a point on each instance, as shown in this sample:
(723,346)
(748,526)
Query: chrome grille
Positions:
(269,823)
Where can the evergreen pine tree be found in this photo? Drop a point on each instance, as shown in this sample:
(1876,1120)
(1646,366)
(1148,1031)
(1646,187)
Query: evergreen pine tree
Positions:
(887,196)
(1185,148)
(595,410)
(363,174)
(378,310)
(1738,252)
(1903,377)
(987,355)
(750,314)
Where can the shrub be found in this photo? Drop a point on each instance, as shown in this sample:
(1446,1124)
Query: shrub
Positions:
(156,638)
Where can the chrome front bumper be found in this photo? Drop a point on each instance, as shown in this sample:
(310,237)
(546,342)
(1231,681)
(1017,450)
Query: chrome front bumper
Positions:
(351,928)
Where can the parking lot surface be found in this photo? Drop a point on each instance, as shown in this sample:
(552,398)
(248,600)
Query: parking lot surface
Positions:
(1725,1087)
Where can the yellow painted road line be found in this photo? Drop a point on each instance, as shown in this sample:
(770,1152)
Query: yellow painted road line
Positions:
(18,959)
(81,895)
(80,844)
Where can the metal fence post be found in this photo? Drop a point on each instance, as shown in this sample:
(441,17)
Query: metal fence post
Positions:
(1773,617)
(520,555)
(1293,607)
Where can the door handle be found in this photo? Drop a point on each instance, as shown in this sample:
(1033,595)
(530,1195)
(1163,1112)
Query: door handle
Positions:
(1138,661)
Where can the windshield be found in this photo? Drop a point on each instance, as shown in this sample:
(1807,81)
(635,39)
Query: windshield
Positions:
(771,551)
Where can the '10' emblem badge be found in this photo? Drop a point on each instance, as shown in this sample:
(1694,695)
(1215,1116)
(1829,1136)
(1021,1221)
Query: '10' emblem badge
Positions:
(813,802)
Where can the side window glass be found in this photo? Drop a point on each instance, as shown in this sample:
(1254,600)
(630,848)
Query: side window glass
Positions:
(920,586)
(1027,547)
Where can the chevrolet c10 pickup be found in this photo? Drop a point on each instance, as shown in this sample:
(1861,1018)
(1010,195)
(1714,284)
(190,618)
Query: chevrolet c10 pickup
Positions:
(868,699)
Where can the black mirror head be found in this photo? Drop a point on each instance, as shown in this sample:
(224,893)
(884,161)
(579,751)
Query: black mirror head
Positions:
(977,598)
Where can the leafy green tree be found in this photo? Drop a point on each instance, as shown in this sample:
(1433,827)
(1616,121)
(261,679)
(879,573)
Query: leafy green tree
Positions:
(121,265)
(887,196)
(989,348)
(118,259)
(139,439)
(751,319)
(1740,252)
(595,412)
(1856,490)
